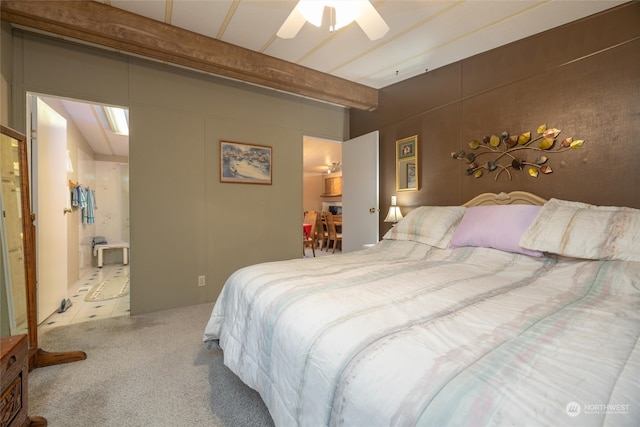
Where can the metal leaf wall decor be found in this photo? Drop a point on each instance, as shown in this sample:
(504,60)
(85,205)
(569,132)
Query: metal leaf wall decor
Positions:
(506,152)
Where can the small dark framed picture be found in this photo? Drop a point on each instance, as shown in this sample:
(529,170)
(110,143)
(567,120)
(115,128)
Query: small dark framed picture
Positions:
(407,148)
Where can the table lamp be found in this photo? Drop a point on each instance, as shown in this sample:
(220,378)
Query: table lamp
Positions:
(394,214)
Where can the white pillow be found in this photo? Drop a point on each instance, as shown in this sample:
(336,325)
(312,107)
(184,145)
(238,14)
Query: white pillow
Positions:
(432,225)
(585,231)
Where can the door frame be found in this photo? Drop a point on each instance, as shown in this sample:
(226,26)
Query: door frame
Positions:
(81,239)
(54,289)
(371,212)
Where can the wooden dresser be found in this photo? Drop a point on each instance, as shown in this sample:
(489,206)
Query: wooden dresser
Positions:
(14,370)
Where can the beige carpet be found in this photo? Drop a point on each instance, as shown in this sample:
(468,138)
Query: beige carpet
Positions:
(145,370)
(308,253)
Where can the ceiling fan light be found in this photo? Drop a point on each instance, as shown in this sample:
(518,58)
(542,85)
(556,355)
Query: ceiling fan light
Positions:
(334,167)
(343,12)
(312,10)
(346,12)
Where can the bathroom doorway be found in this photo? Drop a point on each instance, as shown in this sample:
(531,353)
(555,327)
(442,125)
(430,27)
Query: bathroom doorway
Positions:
(80,192)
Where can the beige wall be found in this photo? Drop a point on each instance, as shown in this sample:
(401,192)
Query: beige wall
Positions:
(5,72)
(314,187)
(184,222)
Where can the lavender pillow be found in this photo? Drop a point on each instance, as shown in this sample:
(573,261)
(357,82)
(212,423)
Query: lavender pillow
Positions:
(498,227)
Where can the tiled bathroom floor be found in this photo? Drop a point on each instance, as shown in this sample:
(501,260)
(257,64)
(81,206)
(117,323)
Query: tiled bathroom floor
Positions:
(82,311)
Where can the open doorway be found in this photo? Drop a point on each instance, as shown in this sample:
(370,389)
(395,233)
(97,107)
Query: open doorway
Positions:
(355,191)
(322,184)
(80,197)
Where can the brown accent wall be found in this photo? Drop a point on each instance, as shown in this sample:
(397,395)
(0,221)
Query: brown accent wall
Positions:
(582,78)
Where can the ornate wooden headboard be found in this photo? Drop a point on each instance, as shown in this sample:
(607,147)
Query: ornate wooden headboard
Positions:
(512,198)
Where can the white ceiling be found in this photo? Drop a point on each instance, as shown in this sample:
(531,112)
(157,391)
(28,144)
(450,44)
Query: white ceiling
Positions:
(424,35)
(103,141)
(319,155)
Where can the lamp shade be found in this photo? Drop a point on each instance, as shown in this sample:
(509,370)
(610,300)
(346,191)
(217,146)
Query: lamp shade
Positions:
(394,214)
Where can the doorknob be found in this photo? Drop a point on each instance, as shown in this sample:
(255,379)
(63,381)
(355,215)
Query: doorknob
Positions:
(67,210)
(372,210)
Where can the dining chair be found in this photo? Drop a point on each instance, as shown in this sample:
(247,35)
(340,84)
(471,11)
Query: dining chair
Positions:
(310,217)
(322,232)
(337,221)
(307,216)
(334,236)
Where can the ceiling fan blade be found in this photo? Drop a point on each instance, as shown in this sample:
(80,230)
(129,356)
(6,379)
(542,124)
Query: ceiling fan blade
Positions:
(292,24)
(371,22)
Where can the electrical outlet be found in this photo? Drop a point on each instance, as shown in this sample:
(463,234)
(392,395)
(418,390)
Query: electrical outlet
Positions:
(201,281)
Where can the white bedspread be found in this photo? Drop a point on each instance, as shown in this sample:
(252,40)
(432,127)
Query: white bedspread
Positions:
(404,334)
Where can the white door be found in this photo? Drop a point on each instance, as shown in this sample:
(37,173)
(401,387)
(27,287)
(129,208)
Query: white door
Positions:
(360,190)
(49,145)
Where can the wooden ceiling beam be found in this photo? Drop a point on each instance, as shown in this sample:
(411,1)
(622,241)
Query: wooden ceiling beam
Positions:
(101,24)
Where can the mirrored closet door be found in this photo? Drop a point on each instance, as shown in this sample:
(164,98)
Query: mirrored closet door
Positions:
(18,252)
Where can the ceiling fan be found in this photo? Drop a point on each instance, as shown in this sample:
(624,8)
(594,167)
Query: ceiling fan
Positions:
(342,12)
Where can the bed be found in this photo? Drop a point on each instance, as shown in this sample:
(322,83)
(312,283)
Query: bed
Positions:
(508,310)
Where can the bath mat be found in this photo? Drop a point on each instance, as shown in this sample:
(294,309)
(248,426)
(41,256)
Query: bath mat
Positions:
(114,287)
